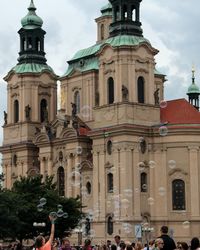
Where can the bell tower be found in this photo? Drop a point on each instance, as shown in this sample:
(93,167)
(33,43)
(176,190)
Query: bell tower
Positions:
(126,18)
(31,101)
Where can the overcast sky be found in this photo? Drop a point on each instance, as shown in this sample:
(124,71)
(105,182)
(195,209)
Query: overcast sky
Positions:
(172,27)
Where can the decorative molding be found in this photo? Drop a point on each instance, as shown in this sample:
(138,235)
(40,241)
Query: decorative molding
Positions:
(177,170)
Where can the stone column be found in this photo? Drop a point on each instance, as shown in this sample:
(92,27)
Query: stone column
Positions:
(95,181)
(69,172)
(101,181)
(42,166)
(102,87)
(194,181)
(49,166)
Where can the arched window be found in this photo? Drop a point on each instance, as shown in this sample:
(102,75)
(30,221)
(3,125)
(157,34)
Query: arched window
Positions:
(110,225)
(143,182)
(30,45)
(43,110)
(16,111)
(116,14)
(110,90)
(88,187)
(61,181)
(110,182)
(23,44)
(109,147)
(125,12)
(133,13)
(77,101)
(140,89)
(87,226)
(178,194)
(102,31)
(15,160)
(37,44)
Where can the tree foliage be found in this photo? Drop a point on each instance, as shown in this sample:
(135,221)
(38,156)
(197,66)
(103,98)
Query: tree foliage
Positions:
(18,209)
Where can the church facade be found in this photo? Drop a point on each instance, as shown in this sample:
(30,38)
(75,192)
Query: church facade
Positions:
(132,157)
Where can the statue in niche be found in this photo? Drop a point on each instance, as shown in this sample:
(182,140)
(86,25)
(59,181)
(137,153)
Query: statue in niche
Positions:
(5,117)
(27,112)
(156,97)
(124,93)
(73,109)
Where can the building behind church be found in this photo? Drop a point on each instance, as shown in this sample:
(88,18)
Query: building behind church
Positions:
(133,157)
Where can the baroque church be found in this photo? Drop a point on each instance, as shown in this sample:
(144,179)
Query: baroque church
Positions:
(132,157)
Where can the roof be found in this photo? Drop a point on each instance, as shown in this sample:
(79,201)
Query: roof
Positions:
(193,89)
(107,10)
(179,111)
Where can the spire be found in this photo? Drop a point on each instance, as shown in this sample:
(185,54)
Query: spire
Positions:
(193,91)
(126,18)
(32,6)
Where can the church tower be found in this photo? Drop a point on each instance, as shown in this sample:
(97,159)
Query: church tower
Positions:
(31,98)
(193,92)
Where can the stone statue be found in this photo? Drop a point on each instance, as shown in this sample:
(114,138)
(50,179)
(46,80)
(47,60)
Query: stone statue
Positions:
(156,97)
(5,117)
(27,112)
(124,93)
(73,109)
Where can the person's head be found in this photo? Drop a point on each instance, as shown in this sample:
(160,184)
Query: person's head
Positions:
(138,245)
(159,243)
(182,246)
(133,244)
(87,242)
(113,247)
(129,247)
(108,243)
(65,242)
(122,245)
(164,230)
(40,241)
(194,243)
(117,239)
(151,242)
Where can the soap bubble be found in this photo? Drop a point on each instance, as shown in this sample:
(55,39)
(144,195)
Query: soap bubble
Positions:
(79,150)
(144,187)
(39,208)
(150,201)
(43,201)
(75,178)
(172,164)
(53,215)
(60,213)
(86,111)
(92,233)
(59,206)
(65,215)
(127,227)
(141,166)
(161,191)
(152,164)
(186,224)
(163,104)
(125,203)
(163,130)
(78,166)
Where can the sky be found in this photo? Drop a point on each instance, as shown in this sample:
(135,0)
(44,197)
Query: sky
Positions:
(171,26)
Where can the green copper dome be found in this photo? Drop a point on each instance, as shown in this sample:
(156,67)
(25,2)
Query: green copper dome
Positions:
(107,10)
(193,88)
(31,20)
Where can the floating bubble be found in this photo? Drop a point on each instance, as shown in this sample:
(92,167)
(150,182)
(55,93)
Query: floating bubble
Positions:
(163,104)
(60,213)
(150,201)
(127,227)
(75,178)
(163,130)
(92,233)
(152,164)
(53,215)
(141,166)
(161,191)
(125,203)
(186,224)
(144,187)
(172,164)
(78,166)
(39,208)
(65,215)
(43,201)
(86,111)
(79,150)
(59,206)
(128,192)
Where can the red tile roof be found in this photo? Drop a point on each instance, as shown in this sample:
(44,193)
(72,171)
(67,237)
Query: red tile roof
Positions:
(179,111)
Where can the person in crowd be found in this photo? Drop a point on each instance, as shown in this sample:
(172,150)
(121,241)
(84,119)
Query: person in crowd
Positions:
(87,245)
(138,245)
(122,245)
(159,244)
(182,246)
(150,246)
(65,244)
(40,240)
(129,247)
(195,245)
(108,244)
(117,241)
(113,247)
(169,243)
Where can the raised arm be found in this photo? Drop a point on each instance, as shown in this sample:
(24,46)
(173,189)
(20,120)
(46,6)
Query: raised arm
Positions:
(52,228)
